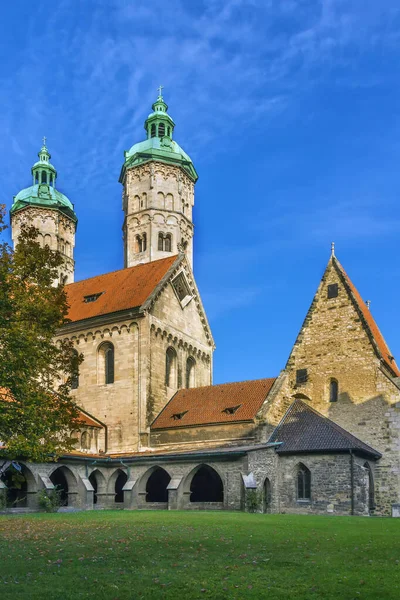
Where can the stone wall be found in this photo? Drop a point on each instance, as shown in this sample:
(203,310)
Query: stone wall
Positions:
(331,482)
(55,229)
(157,198)
(333,344)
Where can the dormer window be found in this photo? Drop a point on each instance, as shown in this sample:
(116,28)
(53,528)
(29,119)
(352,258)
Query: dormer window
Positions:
(92,297)
(182,289)
(230,410)
(179,416)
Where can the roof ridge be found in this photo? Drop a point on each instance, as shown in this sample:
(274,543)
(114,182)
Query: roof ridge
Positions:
(382,347)
(123,269)
(213,385)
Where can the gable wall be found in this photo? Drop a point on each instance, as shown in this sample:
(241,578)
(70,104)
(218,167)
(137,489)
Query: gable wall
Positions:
(334,344)
(181,328)
(116,404)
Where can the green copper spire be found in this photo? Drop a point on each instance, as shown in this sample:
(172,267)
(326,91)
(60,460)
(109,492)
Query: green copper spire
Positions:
(43,192)
(159,144)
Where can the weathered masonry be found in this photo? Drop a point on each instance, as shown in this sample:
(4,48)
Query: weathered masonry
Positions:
(321,438)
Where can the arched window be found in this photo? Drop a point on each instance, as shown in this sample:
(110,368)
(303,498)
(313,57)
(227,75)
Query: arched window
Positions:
(168,243)
(171,368)
(85,441)
(144,242)
(190,372)
(44,178)
(75,373)
(139,244)
(333,390)
(160,241)
(47,240)
(303,483)
(36,178)
(371,488)
(169,131)
(153,130)
(161,130)
(106,363)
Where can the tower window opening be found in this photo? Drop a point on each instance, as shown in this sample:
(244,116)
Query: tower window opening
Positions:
(153,130)
(169,131)
(168,243)
(333,390)
(139,244)
(161,130)
(44,178)
(161,242)
(144,242)
(36,178)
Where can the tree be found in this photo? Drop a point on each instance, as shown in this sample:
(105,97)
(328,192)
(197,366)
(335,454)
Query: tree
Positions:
(36,372)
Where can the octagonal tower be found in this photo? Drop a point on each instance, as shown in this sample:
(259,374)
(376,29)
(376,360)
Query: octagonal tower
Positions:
(43,206)
(158,180)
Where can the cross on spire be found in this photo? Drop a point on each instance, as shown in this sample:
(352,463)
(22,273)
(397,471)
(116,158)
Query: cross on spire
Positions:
(160,89)
(44,140)
(332,248)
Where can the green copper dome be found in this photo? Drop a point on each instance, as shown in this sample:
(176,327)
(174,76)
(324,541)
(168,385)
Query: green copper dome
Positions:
(159,144)
(43,192)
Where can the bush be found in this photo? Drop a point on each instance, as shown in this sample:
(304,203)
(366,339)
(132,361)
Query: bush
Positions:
(50,500)
(253,501)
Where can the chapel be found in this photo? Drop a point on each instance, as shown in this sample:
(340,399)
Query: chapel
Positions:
(322,436)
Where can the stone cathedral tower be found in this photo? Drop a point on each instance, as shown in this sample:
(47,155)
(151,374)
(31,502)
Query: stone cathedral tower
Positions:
(158,178)
(43,206)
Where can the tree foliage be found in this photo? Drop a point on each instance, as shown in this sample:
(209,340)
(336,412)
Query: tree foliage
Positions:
(36,411)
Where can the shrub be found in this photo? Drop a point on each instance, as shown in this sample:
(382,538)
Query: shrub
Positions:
(50,500)
(253,501)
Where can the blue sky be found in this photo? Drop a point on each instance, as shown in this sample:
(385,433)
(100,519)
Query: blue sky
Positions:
(290,110)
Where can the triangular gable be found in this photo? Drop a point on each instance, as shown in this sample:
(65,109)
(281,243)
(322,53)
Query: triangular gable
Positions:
(116,291)
(182,264)
(303,430)
(368,321)
(377,340)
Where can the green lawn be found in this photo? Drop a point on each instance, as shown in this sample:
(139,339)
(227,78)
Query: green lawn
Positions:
(132,554)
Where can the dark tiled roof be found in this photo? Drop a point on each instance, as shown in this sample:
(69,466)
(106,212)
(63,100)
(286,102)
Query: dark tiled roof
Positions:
(214,404)
(119,290)
(369,322)
(303,429)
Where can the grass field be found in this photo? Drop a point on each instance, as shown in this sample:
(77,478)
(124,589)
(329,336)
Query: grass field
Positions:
(129,555)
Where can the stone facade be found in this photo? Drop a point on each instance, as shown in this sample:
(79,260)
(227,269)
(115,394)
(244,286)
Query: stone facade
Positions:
(55,229)
(339,366)
(157,201)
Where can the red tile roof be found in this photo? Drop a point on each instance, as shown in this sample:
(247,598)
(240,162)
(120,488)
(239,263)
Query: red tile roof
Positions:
(119,290)
(84,419)
(207,405)
(370,323)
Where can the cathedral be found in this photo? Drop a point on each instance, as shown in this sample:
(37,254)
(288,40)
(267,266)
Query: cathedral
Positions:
(320,437)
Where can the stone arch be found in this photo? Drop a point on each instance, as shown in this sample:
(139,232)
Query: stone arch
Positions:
(116,483)
(63,478)
(98,482)
(20,485)
(105,363)
(171,368)
(204,484)
(160,200)
(267,495)
(136,203)
(153,485)
(169,202)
